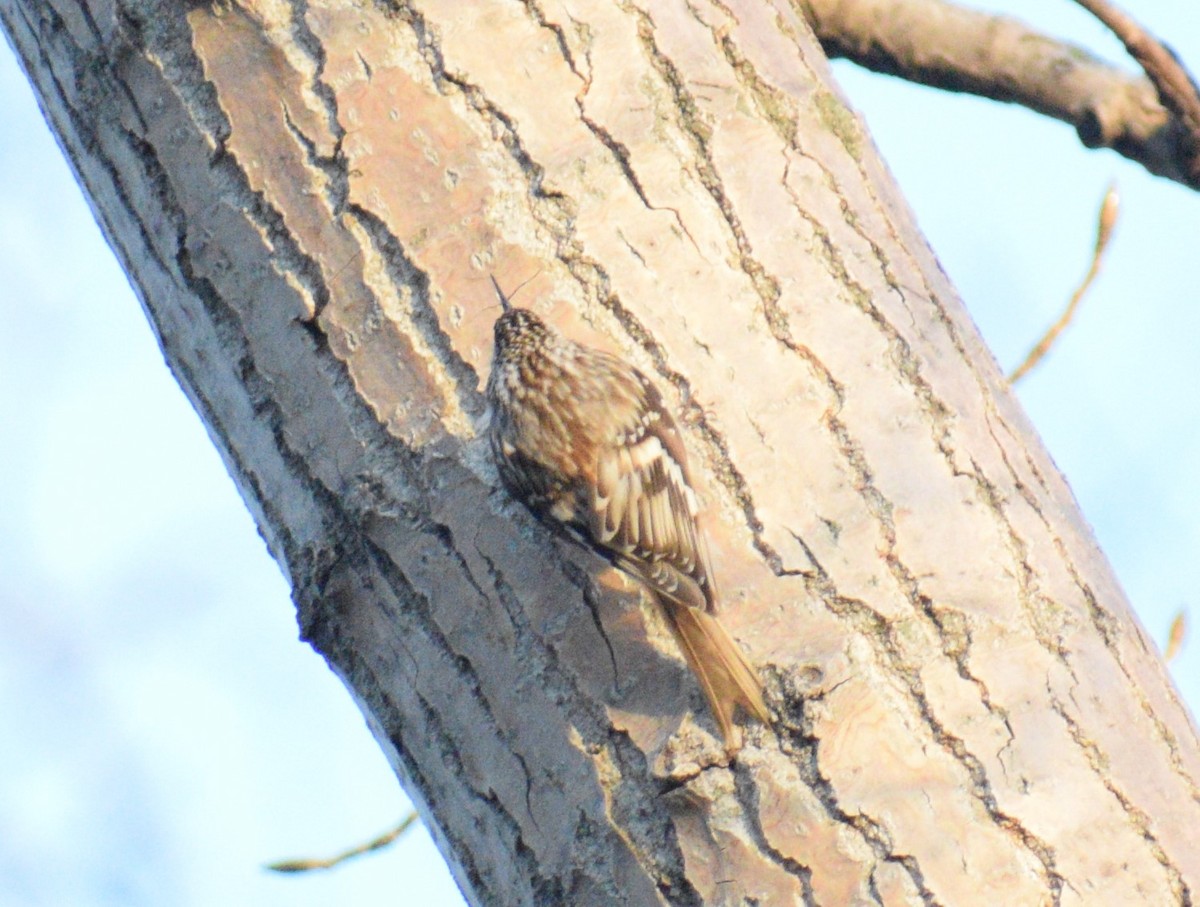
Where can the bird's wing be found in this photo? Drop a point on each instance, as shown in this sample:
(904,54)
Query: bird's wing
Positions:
(642,509)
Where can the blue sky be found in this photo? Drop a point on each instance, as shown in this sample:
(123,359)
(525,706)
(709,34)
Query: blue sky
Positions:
(162,731)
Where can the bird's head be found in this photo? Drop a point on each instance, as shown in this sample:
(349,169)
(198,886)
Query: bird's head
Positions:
(517,331)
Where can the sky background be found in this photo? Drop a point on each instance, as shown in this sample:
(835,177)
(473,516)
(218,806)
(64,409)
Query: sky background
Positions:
(162,731)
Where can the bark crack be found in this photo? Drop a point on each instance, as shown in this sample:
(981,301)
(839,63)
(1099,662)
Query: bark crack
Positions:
(782,111)
(867,620)
(1106,625)
(617,760)
(954,645)
(550,207)
(766,285)
(417,616)
(798,741)
(583,580)
(423,321)
(619,151)
(747,793)
(1136,817)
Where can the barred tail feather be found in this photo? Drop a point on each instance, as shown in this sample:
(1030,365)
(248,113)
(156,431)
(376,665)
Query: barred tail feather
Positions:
(724,674)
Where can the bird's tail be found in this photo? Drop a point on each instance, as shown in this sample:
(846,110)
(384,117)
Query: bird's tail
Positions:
(724,674)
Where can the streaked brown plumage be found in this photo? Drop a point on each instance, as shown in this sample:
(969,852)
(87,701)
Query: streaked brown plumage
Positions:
(584,440)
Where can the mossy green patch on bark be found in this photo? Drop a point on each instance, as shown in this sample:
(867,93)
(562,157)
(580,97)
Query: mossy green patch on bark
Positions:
(841,121)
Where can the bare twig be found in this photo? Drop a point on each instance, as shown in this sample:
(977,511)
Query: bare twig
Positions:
(310,864)
(1176,89)
(1176,636)
(1104,228)
(956,49)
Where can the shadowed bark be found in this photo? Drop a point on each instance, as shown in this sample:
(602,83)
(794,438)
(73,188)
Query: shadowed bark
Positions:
(309,200)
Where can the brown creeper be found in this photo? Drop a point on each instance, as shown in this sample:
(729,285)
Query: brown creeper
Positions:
(585,442)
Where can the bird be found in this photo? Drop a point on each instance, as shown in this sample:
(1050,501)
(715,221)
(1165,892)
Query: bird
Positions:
(584,440)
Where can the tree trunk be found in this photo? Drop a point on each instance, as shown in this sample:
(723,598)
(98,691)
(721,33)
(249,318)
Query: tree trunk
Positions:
(309,200)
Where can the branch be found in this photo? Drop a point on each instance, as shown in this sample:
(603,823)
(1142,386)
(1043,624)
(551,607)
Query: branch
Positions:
(945,46)
(1176,88)
(308,864)
(1175,637)
(1104,227)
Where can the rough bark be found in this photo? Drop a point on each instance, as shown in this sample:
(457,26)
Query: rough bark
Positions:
(309,200)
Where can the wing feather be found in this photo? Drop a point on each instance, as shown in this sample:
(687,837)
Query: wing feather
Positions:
(664,527)
(645,541)
(643,511)
(631,533)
